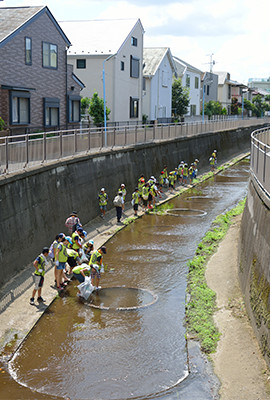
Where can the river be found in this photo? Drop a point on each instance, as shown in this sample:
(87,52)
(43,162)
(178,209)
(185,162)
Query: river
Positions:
(84,353)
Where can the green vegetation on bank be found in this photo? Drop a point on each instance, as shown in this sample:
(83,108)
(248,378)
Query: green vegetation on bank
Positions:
(201,303)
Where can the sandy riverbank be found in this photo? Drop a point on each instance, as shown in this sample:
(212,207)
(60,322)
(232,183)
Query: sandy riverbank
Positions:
(238,361)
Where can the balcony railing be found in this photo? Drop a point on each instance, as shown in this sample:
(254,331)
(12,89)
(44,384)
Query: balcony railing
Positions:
(260,158)
(24,151)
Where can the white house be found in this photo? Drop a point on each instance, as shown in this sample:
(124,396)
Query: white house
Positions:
(191,79)
(158,71)
(112,49)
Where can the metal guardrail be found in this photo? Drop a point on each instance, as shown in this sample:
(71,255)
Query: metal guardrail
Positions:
(260,157)
(23,151)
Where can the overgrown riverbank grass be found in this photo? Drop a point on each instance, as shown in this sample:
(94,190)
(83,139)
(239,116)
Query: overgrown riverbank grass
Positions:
(201,303)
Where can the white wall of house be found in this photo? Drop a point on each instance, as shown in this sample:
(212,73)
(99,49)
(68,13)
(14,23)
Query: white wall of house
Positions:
(157,101)
(224,95)
(192,81)
(119,85)
(126,86)
(146,99)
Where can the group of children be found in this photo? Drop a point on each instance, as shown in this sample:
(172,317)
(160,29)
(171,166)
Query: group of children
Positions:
(147,190)
(78,254)
(71,256)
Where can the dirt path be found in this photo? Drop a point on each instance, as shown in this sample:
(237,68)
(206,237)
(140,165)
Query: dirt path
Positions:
(238,362)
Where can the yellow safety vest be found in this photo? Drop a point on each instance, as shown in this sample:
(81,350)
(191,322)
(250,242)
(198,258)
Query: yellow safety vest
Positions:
(41,265)
(145,192)
(103,199)
(72,253)
(62,256)
(171,179)
(135,197)
(78,268)
(94,258)
(74,244)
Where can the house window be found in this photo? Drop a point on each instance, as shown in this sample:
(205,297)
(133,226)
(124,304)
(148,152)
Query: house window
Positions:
(187,81)
(134,67)
(164,78)
(122,66)
(144,84)
(51,112)
(28,51)
(49,55)
(229,92)
(134,107)
(134,41)
(196,82)
(74,109)
(20,108)
(193,109)
(81,63)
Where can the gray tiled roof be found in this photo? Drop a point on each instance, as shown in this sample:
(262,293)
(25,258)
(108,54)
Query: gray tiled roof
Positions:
(189,66)
(12,18)
(152,57)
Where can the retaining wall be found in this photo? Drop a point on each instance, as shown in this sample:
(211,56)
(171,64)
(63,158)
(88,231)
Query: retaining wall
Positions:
(254,258)
(34,204)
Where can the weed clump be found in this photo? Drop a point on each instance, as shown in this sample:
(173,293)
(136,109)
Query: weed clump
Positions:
(201,303)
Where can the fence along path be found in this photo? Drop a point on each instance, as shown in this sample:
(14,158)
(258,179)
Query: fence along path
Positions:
(23,151)
(260,158)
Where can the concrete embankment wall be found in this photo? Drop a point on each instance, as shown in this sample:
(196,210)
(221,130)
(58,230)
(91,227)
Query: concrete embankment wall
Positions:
(254,263)
(34,204)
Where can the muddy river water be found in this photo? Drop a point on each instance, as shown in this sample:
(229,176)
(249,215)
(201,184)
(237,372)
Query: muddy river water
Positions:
(86,353)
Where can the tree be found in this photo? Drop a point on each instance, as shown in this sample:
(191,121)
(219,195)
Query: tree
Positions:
(180,98)
(85,103)
(212,108)
(96,110)
(235,106)
(257,101)
(250,107)
(266,106)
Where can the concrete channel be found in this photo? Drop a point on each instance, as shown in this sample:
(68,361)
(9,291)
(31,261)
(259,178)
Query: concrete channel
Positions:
(201,382)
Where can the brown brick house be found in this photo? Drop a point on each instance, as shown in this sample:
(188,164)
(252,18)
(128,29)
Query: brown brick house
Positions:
(38,89)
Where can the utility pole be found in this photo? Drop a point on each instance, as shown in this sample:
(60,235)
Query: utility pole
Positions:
(212,62)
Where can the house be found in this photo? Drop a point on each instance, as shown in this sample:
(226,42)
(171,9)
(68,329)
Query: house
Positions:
(158,71)
(228,89)
(191,79)
(107,55)
(209,85)
(38,90)
(259,83)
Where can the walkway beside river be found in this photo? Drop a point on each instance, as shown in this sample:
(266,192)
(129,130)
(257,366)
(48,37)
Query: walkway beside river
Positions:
(238,361)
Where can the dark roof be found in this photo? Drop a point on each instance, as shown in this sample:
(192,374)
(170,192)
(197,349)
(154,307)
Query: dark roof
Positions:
(13,19)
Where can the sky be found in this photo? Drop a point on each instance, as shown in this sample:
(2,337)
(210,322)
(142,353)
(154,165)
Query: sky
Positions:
(233,33)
